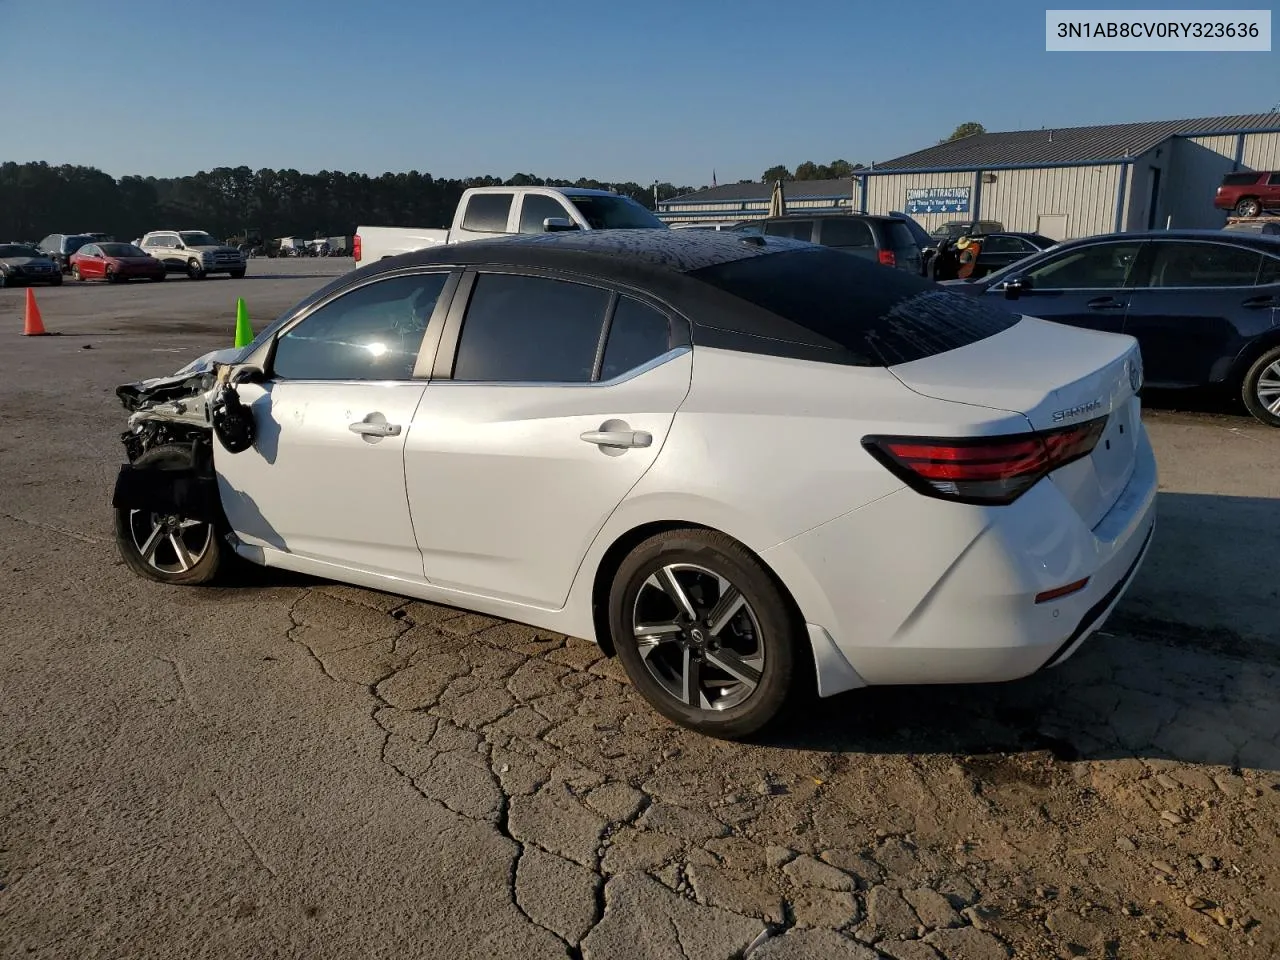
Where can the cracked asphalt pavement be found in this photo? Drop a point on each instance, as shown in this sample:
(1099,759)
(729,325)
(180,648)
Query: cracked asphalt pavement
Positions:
(284,767)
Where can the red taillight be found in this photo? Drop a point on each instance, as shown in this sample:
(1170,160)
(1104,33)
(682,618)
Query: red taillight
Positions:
(888,258)
(992,470)
(355,247)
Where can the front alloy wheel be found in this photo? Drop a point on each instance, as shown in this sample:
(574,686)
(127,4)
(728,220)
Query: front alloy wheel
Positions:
(704,632)
(164,547)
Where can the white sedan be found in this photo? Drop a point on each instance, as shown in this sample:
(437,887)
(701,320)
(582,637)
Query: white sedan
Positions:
(725,459)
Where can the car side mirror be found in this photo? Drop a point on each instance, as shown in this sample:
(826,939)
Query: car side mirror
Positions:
(554,224)
(1015,287)
(248,373)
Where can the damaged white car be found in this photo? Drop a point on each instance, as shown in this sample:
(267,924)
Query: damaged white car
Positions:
(732,461)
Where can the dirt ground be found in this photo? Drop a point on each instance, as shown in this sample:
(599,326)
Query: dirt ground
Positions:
(286,767)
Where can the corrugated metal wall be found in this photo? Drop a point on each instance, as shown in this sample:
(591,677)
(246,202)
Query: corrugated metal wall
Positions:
(1191,178)
(1086,196)
(889,192)
(1262,151)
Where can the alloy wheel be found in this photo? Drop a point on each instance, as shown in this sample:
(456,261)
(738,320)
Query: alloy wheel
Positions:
(168,543)
(698,637)
(1268,388)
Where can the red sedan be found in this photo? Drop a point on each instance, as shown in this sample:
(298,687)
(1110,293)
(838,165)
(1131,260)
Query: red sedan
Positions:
(114,261)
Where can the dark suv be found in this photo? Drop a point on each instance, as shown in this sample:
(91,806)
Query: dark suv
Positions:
(1248,194)
(60,246)
(886,240)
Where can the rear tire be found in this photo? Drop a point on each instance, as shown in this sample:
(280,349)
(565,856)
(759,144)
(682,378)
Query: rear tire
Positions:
(56,281)
(1248,207)
(1261,388)
(171,550)
(237,274)
(726,671)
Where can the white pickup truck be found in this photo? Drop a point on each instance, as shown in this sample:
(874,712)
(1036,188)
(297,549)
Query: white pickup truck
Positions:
(487,212)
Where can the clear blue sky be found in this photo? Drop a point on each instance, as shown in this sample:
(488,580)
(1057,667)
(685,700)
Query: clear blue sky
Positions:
(668,90)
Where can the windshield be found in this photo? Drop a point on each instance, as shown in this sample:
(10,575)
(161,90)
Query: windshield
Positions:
(18,250)
(198,238)
(121,250)
(615,213)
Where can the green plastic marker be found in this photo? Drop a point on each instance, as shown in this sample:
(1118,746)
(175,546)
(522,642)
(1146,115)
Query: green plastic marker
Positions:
(244,332)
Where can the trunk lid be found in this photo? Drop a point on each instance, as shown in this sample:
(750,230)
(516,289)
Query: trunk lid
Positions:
(1055,376)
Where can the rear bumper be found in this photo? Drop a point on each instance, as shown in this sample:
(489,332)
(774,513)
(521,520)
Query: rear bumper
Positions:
(952,599)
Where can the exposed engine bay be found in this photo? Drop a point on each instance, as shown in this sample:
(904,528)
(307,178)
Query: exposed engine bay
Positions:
(185,410)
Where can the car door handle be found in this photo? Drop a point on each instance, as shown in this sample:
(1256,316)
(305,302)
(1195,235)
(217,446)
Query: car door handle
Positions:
(618,438)
(367,429)
(1105,303)
(1256,303)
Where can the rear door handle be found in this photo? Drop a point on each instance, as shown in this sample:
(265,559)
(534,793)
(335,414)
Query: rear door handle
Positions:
(1105,303)
(1255,303)
(618,438)
(370,429)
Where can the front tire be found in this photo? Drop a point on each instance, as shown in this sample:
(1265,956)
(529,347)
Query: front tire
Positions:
(704,632)
(56,281)
(237,274)
(195,270)
(1261,388)
(1248,207)
(173,550)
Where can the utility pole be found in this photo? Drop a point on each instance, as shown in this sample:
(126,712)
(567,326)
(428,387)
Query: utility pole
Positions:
(655,196)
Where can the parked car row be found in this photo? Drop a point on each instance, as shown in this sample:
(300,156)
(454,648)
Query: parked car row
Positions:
(97,257)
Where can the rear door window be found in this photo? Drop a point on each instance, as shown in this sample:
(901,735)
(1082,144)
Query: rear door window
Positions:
(1203,265)
(846,233)
(637,335)
(487,212)
(794,229)
(530,330)
(882,317)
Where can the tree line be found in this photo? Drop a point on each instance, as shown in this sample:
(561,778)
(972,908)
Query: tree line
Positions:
(840,169)
(37,199)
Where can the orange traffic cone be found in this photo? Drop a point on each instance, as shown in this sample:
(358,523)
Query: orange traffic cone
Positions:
(33,323)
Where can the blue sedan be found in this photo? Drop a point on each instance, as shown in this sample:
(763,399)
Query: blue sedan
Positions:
(1204,305)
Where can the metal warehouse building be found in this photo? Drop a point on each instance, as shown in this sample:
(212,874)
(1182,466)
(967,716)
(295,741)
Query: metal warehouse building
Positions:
(1064,183)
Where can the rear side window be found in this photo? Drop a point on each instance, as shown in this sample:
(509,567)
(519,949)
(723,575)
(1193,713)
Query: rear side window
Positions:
(1270,271)
(795,229)
(530,330)
(847,233)
(487,212)
(900,236)
(637,335)
(1239,179)
(885,317)
(1273,180)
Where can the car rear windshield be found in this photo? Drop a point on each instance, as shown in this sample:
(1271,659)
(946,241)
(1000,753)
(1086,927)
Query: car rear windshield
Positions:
(874,312)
